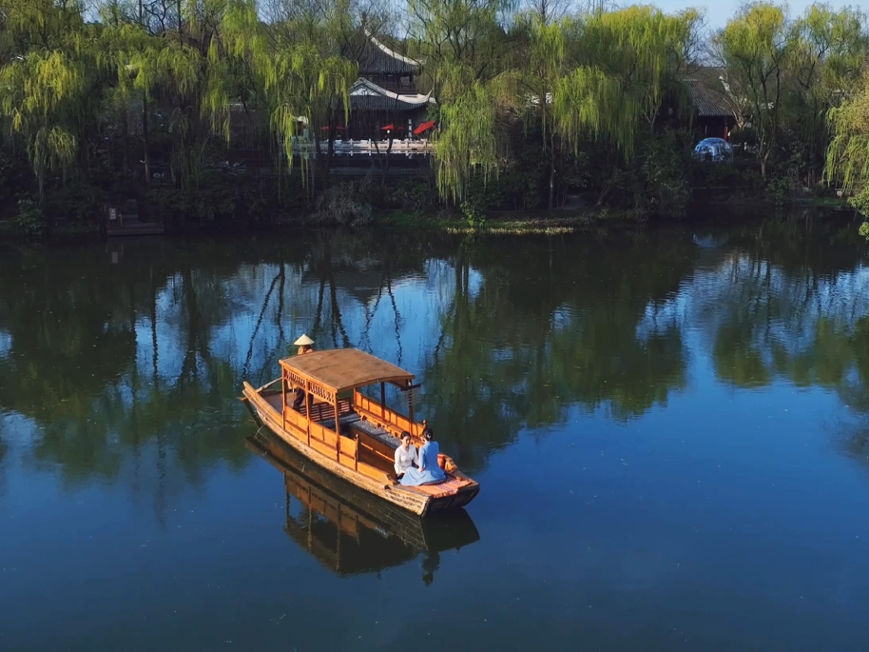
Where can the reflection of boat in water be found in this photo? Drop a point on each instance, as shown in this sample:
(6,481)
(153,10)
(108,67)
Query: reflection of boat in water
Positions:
(351,531)
(331,407)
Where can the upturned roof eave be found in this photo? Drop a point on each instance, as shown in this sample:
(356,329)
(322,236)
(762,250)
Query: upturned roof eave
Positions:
(418,99)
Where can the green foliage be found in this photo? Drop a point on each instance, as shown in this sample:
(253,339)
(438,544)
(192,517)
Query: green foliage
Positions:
(643,49)
(14,176)
(860,201)
(528,107)
(297,71)
(221,200)
(864,230)
(848,152)
(474,217)
(465,146)
(588,102)
(78,203)
(598,80)
(346,204)
(30,221)
(43,93)
(663,170)
(411,195)
(778,188)
(755,47)
(825,59)
(460,41)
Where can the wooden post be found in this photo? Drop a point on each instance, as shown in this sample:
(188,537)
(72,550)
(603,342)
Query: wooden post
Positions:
(410,403)
(308,412)
(382,399)
(337,420)
(284,399)
(337,430)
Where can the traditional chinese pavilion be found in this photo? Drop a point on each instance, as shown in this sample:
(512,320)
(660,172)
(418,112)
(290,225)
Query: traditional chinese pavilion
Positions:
(384,100)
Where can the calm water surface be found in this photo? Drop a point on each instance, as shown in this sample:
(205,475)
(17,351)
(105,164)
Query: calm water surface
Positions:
(671,429)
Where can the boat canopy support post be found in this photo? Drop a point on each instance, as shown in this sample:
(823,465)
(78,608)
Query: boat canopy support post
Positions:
(307,412)
(337,428)
(284,381)
(410,391)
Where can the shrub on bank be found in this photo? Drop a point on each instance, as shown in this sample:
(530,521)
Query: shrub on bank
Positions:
(30,220)
(345,204)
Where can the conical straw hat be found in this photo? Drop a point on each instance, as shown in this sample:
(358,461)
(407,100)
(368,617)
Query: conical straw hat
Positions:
(303,340)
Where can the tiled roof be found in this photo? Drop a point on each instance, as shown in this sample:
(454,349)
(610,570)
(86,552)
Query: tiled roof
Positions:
(708,96)
(365,94)
(376,58)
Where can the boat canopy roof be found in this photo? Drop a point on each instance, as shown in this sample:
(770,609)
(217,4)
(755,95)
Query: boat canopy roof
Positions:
(341,369)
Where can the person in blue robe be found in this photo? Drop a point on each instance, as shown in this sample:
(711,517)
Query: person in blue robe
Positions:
(428,471)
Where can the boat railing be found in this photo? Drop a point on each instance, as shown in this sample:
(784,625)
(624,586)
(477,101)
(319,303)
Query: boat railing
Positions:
(294,418)
(325,412)
(383,416)
(348,453)
(323,439)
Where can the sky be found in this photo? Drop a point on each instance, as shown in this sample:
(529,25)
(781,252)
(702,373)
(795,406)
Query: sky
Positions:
(718,12)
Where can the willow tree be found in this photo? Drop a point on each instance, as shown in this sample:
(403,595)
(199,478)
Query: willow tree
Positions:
(546,68)
(848,153)
(462,46)
(182,63)
(628,58)
(459,41)
(596,79)
(189,71)
(466,145)
(642,47)
(301,85)
(827,53)
(124,46)
(322,41)
(754,47)
(44,81)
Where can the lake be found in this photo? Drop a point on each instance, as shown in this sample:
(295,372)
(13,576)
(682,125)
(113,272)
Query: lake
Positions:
(670,427)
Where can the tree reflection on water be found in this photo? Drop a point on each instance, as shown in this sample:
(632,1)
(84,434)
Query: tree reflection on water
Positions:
(128,357)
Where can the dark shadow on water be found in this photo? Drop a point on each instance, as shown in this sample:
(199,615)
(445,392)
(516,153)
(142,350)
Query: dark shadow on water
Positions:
(348,530)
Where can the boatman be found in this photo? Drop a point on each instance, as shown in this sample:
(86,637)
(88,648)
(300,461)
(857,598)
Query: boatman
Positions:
(306,345)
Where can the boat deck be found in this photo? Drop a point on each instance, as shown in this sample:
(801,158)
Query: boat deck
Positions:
(351,424)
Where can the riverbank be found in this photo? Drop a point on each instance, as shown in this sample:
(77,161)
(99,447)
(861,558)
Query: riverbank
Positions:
(569,220)
(30,225)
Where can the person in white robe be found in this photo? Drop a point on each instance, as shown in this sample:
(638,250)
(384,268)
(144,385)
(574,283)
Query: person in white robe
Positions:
(405,455)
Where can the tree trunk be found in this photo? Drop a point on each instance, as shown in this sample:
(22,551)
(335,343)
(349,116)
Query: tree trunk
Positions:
(147,156)
(330,153)
(551,171)
(40,183)
(126,126)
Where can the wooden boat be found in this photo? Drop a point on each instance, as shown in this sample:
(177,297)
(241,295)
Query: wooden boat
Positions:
(343,424)
(347,529)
